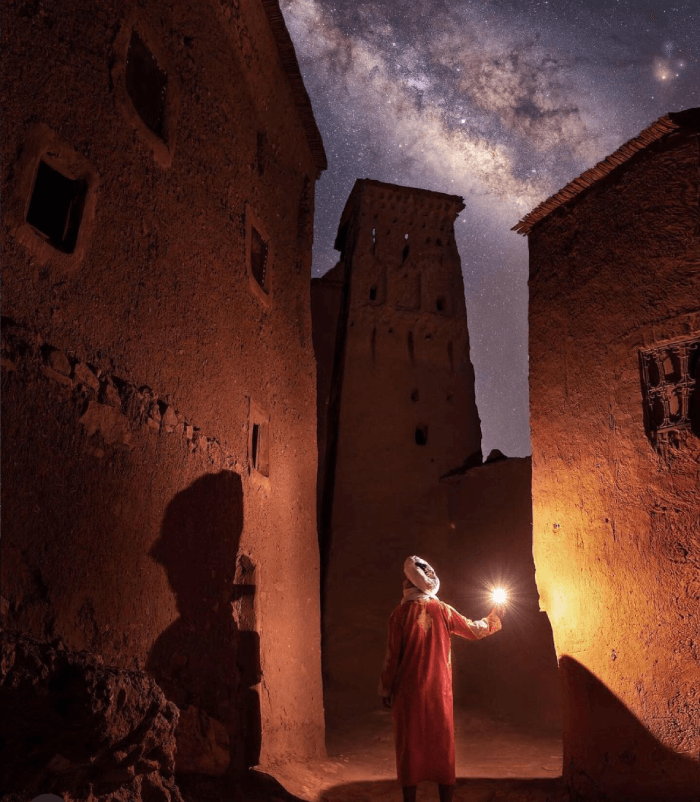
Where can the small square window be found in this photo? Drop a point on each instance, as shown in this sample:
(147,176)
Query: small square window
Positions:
(670,387)
(258,258)
(146,84)
(56,207)
(259,448)
(258,442)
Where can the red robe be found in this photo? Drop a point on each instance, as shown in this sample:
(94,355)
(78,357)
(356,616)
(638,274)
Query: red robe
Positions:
(418,676)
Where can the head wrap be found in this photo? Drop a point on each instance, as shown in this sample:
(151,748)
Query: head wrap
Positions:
(419,572)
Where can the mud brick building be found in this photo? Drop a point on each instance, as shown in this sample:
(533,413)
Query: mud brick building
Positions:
(400,463)
(615,421)
(158,423)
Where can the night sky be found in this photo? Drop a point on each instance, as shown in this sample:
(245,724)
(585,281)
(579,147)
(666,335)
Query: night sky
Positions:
(500,102)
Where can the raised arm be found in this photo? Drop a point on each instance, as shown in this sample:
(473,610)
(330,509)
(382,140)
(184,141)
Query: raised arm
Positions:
(471,630)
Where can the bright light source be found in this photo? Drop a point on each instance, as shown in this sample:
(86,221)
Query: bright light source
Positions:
(499,596)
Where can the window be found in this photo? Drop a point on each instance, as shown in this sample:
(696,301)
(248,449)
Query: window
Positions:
(258,258)
(146,84)
(421,435)
(259,449)
(56,207)
(670,387)
(258,440)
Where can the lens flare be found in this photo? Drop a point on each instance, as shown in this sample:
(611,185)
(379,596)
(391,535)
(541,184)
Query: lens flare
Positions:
(499,596)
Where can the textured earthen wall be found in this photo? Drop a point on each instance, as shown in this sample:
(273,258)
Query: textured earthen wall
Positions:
(402,364)
(616,518)
(140,361)
(489,544)
(326,299)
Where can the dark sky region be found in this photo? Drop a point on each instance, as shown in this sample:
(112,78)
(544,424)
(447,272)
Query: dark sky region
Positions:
(500,102)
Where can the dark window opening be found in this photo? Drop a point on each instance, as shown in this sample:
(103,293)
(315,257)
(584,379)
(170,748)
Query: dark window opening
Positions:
(373,293)
(440,304)
(56,207)
(147,85)
(415,396)
(421,435)
(258,258)
(670,387)
(438,241)
(411,347)
(405,252)
(259,448)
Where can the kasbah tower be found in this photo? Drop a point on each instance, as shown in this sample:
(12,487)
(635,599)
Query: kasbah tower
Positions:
(397,412)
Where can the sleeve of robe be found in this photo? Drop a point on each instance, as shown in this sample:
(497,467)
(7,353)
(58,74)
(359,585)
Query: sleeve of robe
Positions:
(471,630)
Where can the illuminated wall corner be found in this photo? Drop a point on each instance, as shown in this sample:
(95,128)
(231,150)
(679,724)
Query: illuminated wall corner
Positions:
(614,317)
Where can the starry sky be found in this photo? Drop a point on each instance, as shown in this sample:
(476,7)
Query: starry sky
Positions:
(501,102)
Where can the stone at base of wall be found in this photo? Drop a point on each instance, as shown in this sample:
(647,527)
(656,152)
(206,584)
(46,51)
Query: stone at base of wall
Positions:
(74,727)
(202,744)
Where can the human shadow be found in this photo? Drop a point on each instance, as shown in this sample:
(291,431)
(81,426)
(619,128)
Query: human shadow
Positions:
(608,752)
(209,657)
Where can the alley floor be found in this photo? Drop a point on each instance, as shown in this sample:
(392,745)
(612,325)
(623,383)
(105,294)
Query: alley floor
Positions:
(495,762)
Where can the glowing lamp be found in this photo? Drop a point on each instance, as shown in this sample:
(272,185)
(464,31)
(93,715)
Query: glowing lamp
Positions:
(499,596)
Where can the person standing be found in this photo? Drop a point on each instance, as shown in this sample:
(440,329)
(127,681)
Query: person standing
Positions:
(416,681)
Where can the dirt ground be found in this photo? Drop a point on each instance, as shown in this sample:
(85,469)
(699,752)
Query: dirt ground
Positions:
(495,761)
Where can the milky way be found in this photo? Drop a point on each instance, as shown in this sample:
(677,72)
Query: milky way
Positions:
(500,102)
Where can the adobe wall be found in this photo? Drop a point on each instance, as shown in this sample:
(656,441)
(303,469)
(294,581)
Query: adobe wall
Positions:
(401,364)
(488,544)
(134,524)
(616,512)
(326,300)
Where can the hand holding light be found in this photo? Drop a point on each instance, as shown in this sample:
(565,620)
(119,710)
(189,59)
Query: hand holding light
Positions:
(499,596)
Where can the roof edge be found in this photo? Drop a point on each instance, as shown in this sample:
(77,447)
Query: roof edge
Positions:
(290,65)
(688,119)
(362,184)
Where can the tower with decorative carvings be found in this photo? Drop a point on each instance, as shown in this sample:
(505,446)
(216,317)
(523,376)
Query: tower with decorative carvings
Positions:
(396,406)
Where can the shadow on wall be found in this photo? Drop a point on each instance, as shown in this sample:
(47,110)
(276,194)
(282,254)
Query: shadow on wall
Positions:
(610,756)
(209,658)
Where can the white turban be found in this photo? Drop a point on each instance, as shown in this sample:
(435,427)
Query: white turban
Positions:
(419,572)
